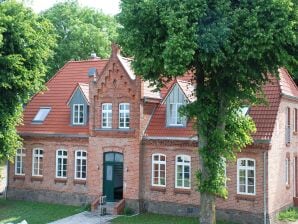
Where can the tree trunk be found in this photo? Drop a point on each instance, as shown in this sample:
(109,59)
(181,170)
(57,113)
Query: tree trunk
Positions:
(207,201)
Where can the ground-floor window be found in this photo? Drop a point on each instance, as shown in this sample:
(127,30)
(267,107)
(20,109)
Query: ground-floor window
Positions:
(158,170)
(80,164)
(37,162)
(246,176)
(19,162)
(183,173)
(287,167)
(61,163)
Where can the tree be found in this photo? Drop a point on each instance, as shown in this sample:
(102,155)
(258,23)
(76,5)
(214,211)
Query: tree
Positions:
(81,31)
(231,47)
(26,41)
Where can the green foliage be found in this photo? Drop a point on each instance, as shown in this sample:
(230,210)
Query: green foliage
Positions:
(25,45)
(81,31)
(230,46)
(128,211)
(13,211)
(290,214)
(149,218)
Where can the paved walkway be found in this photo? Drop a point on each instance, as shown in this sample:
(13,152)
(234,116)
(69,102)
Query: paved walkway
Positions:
(85,218)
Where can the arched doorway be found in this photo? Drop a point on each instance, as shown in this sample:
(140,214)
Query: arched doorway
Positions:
(113,176)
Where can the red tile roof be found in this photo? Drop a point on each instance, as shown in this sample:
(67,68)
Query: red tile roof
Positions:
(59,90)
(264,116)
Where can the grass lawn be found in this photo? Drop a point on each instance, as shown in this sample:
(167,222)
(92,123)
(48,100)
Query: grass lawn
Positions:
(158,219)
(290,214)
(34,212)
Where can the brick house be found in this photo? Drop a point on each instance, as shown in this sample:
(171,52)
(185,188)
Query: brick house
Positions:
(98,129)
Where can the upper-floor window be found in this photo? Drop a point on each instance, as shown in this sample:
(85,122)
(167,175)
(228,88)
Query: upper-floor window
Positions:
(19,162)
(246,176)
(80,164)
(106,115)
(37,163)
(295,120)
(288,125)
(78,114)
(287,171)
(61,163)
(158,170)
(41,114)
(124,115)
(183,172)
(174,101)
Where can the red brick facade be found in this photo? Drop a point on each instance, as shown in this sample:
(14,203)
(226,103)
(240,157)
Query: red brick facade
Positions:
(146,135)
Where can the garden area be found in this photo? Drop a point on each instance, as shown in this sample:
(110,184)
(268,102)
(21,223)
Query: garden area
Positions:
(12,211)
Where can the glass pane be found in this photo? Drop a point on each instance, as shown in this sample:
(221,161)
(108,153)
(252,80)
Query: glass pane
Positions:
(162,158)
(250,189)
(84,154)
(162,181)
(186,183)
(109,157)
(179,169)
(179,159)
(78,153)
(242,188)
(162,167)
(250,163)
(155,158)
(250,181)
(118,157)
(162,174)
(242,173)
(186,169)
(179,182)
(109,173)
(241,180)
(186,175)
(250,173)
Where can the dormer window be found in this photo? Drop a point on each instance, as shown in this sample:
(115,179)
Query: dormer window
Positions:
(175,100)
(41,115)
(78,114)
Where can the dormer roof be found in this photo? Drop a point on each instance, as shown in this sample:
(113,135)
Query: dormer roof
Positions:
(84,90)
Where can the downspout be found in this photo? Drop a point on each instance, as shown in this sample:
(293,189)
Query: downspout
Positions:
(7,172)
(265,187)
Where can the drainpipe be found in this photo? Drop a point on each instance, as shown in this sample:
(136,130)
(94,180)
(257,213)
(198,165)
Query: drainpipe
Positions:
(6,186)
(265,188)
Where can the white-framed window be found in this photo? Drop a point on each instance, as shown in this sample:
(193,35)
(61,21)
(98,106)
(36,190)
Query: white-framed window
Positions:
(246,176)
(183,172)
(287,173)
(124,115)
(106,115)
(37,162)
(78,114)
(41,114)
(19,162)
(175,118)
(288,125)
(158,170)
(61,163)
(80,164)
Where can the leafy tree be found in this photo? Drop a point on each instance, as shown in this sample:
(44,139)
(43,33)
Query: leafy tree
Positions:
(81,31)
(231,47)
(26,41)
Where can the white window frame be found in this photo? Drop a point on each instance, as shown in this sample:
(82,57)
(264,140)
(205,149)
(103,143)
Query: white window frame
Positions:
(246,168)
(41,114)
(287,167)
(20,154)
(81,167)
(159,162)
(78,113)
(39,156)
(109,115)
(126,113)
(183,164)
(175,114)
(62,157)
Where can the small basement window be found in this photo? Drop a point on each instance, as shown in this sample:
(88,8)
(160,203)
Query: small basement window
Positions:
(41,114)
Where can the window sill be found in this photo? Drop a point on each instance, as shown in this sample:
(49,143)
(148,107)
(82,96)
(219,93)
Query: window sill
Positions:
(243,197)
(182,191)
(36,178)
(158,188)
(19,177)
(82,182)
(60,180)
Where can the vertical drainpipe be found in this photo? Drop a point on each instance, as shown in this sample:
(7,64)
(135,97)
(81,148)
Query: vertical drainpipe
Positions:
(265,187)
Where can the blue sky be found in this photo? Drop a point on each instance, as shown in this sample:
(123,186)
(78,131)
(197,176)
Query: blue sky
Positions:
(110,7)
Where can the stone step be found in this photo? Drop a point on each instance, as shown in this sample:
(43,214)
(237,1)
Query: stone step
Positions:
(106,209)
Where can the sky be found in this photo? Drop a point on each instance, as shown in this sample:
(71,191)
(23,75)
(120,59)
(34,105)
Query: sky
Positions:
(110,7)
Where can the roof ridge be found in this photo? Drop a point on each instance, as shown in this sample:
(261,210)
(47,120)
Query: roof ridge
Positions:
(88,60)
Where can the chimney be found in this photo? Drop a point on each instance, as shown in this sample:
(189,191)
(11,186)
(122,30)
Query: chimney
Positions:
(115,50)
(94,56)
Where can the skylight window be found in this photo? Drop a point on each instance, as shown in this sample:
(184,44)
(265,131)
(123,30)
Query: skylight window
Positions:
(244,110)
(41,114)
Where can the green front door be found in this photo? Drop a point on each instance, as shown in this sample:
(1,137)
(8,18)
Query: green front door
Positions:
(113,176)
